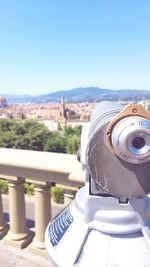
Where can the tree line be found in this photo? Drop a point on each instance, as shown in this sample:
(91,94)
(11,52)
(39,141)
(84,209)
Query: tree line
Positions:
(32,135)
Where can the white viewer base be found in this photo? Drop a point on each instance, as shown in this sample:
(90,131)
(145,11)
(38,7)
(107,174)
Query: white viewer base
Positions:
(107,234)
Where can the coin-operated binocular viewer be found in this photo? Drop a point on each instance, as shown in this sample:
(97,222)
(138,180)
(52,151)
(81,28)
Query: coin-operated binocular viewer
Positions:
(108,223)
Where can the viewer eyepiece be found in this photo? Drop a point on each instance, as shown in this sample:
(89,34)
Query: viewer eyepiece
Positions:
(131,139)
(138,142)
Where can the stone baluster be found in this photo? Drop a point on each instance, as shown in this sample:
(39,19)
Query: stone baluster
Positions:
(42,215)
(68,196)
(3,226)
(18,234)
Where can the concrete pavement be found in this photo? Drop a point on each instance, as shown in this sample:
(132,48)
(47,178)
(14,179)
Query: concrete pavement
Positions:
(12,257)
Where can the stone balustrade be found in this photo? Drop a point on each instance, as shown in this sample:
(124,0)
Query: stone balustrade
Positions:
(41,169)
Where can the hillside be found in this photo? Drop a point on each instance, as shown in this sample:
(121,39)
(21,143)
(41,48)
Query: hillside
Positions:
(88,94)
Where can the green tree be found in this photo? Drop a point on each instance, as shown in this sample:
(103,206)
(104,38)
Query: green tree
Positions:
(69,130)
(73,144)
(72,136)
(31,135)
(7,124)
(55,143)
(7,139)
(22,142)
(27,134)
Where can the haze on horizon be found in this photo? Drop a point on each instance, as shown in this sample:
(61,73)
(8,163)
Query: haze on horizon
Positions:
(47,46)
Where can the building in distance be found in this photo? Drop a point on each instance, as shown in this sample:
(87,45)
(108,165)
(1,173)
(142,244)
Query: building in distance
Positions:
(55,116)
(3,102)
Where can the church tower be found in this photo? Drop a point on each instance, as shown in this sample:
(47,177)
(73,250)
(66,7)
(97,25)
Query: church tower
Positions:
(62,109)
(62,120)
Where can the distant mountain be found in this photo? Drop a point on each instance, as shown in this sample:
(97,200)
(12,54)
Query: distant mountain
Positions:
(95,94)
(88,94)
(15,99)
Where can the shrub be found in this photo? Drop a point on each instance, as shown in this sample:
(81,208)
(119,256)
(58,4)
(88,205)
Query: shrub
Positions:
(57,194)
(4,186)
(29,189)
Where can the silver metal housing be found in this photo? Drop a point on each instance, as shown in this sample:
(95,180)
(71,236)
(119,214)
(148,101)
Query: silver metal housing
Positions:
(115,171)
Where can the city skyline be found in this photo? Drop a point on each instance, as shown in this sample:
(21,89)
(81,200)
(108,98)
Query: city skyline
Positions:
(50,46)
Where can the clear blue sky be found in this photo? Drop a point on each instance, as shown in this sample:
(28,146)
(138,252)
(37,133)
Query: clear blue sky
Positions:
(49,45)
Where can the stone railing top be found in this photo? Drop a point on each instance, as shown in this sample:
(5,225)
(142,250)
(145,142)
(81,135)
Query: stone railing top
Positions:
(58,167)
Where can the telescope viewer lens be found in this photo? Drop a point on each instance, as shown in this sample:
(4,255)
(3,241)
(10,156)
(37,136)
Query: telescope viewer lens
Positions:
(138,142)
(131,139)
